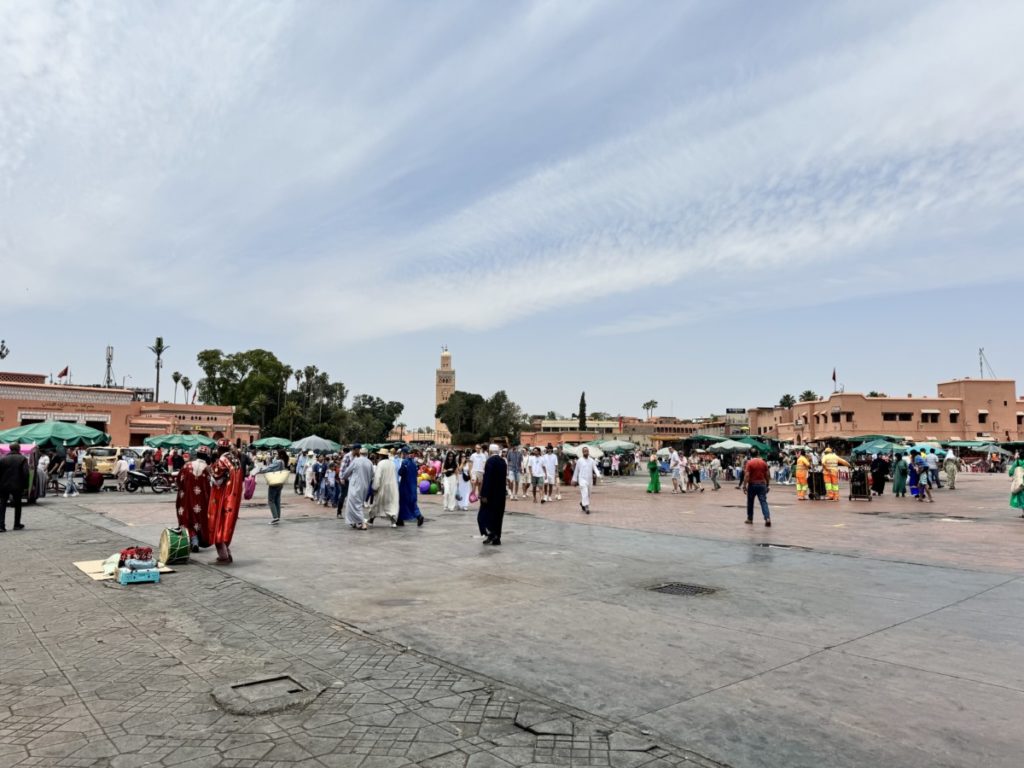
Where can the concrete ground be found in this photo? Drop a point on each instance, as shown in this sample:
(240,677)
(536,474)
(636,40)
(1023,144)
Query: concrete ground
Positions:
(848,634)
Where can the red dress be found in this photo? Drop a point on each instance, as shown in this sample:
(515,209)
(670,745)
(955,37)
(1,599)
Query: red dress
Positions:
(193,500)
(225,498)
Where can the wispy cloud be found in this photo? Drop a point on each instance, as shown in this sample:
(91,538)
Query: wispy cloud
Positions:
(456,160)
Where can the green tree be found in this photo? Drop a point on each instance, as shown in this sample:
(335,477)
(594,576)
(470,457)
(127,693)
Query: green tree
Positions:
(371,419)
(471,419)
(809,396)
(787,401)
(290,415)
(158,349)
(600,416)
(873,393)
(583,411)
(176,377)
(551,416)
(650,407)
(186,384)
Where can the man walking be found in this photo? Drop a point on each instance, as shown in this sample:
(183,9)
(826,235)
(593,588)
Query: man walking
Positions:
(536,467)
(584,476)
(492,497)
(14,476)
(121,471)
(675,470)
(515,468)
(550,473)
(756,478)
(950,464)
(477,461)
(933,468)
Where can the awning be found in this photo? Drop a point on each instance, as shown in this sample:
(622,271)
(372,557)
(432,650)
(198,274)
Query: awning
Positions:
(982,410)
(1020,413)
(930,410)
(954,410)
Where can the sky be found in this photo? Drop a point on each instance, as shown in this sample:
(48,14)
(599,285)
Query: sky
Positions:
(709,204)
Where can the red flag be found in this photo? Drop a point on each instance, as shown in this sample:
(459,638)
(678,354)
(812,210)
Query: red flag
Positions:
(63,373)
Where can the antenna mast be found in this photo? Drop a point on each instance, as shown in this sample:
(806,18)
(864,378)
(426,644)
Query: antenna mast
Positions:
(983,364)
(108,378)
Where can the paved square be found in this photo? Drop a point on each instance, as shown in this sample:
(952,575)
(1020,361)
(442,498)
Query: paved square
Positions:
(849,634)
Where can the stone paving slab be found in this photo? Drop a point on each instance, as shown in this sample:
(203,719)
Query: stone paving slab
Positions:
(94,674)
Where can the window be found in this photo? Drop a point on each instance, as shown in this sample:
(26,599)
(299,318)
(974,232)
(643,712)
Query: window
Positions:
(888,417)
(1020,419)
(983,418)
(849,416)
(835,418)
(954,418)
(897,417)
(930,418)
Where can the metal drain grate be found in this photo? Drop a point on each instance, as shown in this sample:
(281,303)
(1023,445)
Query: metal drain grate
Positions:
(683,590)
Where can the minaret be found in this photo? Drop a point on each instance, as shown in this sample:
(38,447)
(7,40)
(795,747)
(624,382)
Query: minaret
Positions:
(444,385)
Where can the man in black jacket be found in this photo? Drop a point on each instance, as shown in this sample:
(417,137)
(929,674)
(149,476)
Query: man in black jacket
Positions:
(13,481)
(492,497)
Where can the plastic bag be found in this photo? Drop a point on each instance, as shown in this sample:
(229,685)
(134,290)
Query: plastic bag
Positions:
(248,487)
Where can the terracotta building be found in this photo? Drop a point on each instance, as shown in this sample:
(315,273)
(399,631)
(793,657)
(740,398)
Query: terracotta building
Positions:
(28,399)
(962,409)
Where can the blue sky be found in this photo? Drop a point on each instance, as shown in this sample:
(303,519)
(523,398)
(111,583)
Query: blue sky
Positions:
(708,204)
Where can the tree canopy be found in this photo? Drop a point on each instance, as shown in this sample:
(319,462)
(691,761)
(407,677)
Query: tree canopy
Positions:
(809,396)
(787,401)
(473,419)
(256,383)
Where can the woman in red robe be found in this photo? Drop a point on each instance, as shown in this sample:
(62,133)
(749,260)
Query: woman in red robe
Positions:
(225,501)
(193,500)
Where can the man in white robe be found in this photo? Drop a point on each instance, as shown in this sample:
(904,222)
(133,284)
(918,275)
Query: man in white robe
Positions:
(359,475)
(585,475)
(385,490)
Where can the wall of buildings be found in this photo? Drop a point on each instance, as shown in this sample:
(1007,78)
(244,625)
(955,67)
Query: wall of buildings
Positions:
(115,411)
(962,409)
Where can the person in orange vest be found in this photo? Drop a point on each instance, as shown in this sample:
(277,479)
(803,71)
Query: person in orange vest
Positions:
(831,463)
(803,468)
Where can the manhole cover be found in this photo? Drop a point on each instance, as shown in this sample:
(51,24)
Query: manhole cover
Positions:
(768,545)
(269,688)
(262,696)
(681,589)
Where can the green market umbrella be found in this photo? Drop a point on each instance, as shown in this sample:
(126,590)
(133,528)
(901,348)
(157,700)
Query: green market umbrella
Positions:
(315,443)
(883,447)
(55,434)
(990,449)
(272,442)
(616,446)
(186,442)
(729,446)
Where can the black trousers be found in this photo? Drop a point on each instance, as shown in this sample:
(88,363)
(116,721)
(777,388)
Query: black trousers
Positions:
(15,496)
(490,518)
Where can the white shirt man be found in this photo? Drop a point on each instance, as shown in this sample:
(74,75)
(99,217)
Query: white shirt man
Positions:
(675,468)
(535,464)
(550,472)
(476,462)
(121,471)
(584,476)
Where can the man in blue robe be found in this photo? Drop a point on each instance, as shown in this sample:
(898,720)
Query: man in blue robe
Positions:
(408,508)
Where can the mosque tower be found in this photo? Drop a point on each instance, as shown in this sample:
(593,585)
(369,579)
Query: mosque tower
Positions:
(444,385)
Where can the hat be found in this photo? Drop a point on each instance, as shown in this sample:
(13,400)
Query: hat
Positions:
(310,453)
(405,449)
(357,446)
(383,452)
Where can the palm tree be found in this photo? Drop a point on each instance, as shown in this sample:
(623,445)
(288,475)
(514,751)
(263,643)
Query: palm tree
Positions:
(298,378)
(259,404)
(401,430)
(158,349)
(176,377)
(809,396)
(650,406)
(186,384)
(787,401)
(291,411)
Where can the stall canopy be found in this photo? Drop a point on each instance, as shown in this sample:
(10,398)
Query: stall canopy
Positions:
(576,451)
(272,442)
(873,438)
(882,447)
(992,448)
(616,446)
(55,434)
(729,446)
(183,442)
(315,443)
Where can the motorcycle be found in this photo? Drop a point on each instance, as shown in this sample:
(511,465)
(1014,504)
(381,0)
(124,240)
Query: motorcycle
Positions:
(158,482)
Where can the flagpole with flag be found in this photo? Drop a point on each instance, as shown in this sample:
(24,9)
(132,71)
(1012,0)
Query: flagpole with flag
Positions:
(834,380)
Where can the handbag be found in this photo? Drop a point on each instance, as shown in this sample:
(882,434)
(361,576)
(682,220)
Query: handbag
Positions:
(280,477)
(1017,483)
(248,487)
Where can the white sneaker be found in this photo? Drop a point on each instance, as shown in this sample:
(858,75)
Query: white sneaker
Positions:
(558,497)
(274,521)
